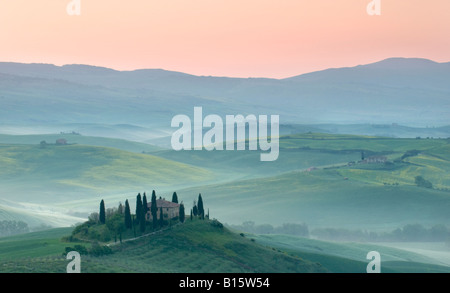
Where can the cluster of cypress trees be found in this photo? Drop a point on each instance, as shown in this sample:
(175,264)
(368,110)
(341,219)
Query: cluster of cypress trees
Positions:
(198,209)
(142,210)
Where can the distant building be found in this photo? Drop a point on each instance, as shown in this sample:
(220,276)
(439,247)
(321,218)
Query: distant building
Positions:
(375,160)
(170,209)
(61,141)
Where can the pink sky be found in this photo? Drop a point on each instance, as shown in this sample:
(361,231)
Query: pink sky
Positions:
(243,38)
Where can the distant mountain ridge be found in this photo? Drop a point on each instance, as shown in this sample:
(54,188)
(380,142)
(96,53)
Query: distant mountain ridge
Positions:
(409,69)
(46,69)
(409,91)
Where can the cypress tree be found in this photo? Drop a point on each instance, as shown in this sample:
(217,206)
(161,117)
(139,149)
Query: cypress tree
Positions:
(120,208)
(138,208)
(175,197)
(102,215)
(161,217)
(191,215)
(127,215)
(182,213)
(154,210)
(195,210)
(201,210)
(144,204)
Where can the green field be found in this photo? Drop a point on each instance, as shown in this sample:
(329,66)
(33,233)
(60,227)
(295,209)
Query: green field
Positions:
(335,194)
(358,142)
(196,246)
(351,257)
(236,185)
(89,169)
(33,245)
(370,172)
(325,199)
(199,247)
(121,144)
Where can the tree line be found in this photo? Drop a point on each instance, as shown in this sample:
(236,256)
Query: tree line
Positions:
(408,233)
(198,209)
(286,228)
(117,221)
(8,228)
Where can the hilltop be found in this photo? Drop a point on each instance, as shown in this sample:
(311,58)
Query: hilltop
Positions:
(200,246)
(196,246)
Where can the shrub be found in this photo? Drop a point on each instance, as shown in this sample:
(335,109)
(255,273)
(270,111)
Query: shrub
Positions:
(99,233)
(78,248)
(422,182)
(216,223)
(99,250)
(81,249)
(410,153)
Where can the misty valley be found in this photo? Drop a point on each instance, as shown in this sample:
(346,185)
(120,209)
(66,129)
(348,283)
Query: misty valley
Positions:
(331,178)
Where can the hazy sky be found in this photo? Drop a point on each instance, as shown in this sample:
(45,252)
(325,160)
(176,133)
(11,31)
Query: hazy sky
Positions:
(270,38)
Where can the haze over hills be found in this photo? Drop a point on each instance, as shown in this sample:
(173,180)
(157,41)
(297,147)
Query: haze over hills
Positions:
(396,90)
(139,105)
(363,148)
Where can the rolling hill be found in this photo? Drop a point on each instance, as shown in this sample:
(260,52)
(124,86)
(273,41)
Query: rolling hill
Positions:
(393,90)
(121,144)
(319,179)
(311,181)
(200,247)
(56,174)
(367,196)
(324,198)
(351,257)
(193,247)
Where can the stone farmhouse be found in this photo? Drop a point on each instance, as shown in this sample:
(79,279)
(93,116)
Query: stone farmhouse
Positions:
(170,209)
(375,159)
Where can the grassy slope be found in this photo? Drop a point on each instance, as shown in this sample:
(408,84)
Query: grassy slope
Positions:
(94,169)
(301,151)
(359,196)
(193,247)
(324,198)
(199,247)
(275,193)
(247,164)
(121,144)
(358,142)
(428,164)
(35,244)
(351,257)
(70,178)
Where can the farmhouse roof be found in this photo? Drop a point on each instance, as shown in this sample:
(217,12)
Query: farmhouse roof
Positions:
(162,203)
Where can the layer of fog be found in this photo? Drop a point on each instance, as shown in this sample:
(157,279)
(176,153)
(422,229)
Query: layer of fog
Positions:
(37,215)
(438,251)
